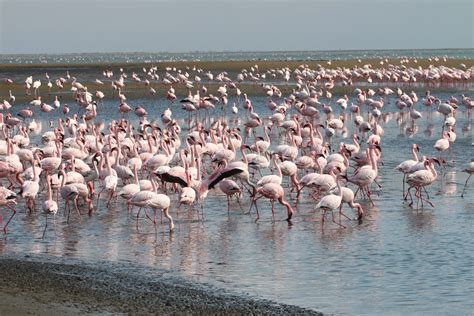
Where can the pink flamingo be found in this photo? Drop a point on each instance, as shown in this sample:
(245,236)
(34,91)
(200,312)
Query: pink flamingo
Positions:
(49,205)
(230,188)
(7,199)
(272,191)
(422,178)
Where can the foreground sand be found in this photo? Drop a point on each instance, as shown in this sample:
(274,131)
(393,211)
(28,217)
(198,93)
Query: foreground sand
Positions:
(33,286)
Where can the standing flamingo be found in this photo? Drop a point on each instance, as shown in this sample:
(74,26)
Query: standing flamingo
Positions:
(422,178)
(230,188)
(470,171)
(7,199)
(49,206)
(161,202)
(408,164)
(331,202)
(272,191)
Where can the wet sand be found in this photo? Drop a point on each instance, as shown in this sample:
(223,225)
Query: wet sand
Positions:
(86,74)
(42,287)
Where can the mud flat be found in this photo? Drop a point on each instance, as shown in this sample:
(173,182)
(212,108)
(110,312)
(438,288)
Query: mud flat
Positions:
(33,285)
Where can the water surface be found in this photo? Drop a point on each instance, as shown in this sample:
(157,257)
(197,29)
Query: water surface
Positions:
(398,260)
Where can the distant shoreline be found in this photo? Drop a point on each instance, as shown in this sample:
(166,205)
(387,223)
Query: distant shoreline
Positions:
(238,65)
(38,285)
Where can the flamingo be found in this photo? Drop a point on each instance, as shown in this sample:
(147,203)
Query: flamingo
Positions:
(129,190)
(272,178)
(272,191)
(348,197)
(161,202)
(30,188)
(7,199)
(470,171)
(188,194)
(49,205)
(365,175)
(331,202)
(422,178)
(230,188)
(442,144)
(406,165)
(68,192)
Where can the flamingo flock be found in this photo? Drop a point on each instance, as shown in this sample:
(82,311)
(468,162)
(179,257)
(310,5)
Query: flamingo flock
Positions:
(301,150)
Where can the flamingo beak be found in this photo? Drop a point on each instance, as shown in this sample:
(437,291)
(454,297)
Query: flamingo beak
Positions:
(436,160)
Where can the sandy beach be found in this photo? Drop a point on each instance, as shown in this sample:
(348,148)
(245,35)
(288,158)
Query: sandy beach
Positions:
(34,286)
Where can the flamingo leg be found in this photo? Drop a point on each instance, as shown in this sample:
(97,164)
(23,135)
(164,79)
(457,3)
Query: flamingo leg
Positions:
(369,197)
(190,208)
(404,177)
(426,200)
(334,220)
(323,218)
(77,209)
(256,208)
(111,195)
(147,216)
(357,191)
(8,222)
(342,213)
(66,207)
(138,214)
(98,198)
(238,201)
(411,197)
(54,224)
(45,226)
(426,191)
(465,185)
(273,210)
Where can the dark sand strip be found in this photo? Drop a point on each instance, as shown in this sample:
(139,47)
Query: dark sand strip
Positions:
(34,286)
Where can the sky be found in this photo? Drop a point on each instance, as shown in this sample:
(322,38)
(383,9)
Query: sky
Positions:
(71,26)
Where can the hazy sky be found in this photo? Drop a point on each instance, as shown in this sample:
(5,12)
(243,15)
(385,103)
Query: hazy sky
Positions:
(68,26)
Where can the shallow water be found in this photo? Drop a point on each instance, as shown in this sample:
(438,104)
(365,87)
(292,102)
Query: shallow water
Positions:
(398,260)
(136,57)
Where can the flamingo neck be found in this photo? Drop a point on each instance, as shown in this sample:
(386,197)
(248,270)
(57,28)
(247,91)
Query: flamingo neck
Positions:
(433,170)
(135,175)
(355,142)
(372,160)
(294,180)
(50,192)
(415,156)
(288,207)
(277,167)
(244,156)
(267,137)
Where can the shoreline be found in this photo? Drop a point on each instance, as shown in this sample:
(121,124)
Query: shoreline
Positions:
(231,68)
(238,65)
(41,286)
